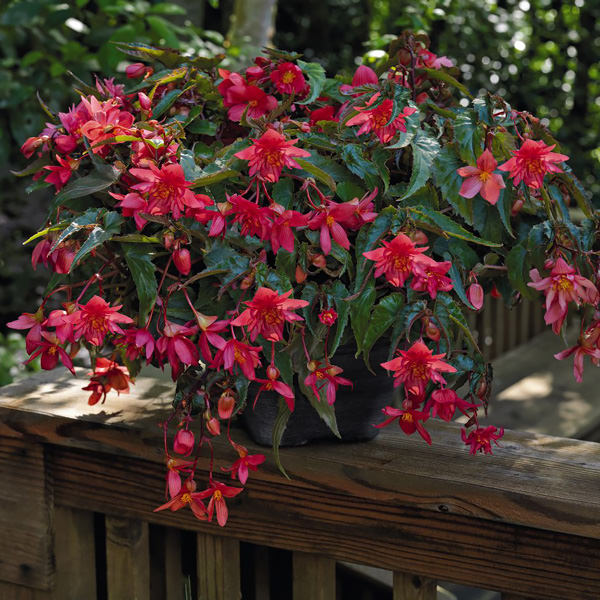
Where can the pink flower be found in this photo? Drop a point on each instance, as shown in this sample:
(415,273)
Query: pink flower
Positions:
(481,439)
(531,162)
(33,322)
(253,219)
(218,492)
(176,346)
(562,286)
(184,442)
(409,421)
(59,175)
(331,219)
(267,312)
(137,342)
(209,328)
(363,76)
(107,375)
(187,496)
(249,98)
(430,276)
(444,402)
(282,235)
(106,121)
(269,154)
(288,78)
(233,353)
(482,179)
(175,466)
(96,319)
(416,367)
(271,384)
(244,463)
(325,376)
(377,119)
(395,259)
(475,295)
(588,344)
(51,352)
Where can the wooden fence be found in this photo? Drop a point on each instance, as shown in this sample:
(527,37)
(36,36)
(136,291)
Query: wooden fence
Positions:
(79,485)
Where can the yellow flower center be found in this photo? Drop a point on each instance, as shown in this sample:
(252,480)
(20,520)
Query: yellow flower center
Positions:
(273,158)
(272,316)
(218,495)
(407,417)
(288,77)
(186,498)
(238,356)
(400,263)
(419,371)
(253,103)
(484,176)
(563,284)
(535,166)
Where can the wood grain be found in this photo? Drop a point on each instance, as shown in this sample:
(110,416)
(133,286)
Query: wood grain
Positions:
(218,568)
(313,577)
(413,587)
(26,516)
(127,559)
(12,591)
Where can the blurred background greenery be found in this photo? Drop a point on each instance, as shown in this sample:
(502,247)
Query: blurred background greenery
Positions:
(542,55)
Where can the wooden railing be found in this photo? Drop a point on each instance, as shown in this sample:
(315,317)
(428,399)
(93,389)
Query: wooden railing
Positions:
(79,485)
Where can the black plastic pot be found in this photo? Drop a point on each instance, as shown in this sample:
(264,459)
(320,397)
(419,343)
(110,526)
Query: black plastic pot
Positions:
(357,410)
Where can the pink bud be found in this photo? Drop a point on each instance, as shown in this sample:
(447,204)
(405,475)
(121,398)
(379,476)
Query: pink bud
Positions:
(364,75)
(135,70)
(184,442)
(272,372)
(254,73)
(226,404)
(549,264)
(145,102)
(475,295)
(182,260)
(213,426)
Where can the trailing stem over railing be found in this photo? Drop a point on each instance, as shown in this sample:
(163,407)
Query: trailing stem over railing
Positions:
(526,521)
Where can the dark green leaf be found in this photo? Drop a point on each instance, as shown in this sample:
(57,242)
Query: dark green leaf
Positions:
(450,182)
(360,311)
(139,261)
(316,79)
(283,192)
(99,235)
(89,217)
(425,149)
(337,293)
(442,75)
(325,410)
(518,265)
(319,173)
(411,123)
(166,102)
(469,136)
(380,156)
(385,314)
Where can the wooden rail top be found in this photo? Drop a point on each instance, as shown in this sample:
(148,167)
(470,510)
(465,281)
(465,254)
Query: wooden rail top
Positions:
(526,519)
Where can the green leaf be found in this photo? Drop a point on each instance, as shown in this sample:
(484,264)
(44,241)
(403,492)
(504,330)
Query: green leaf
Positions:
(425,149)
(411,123)
(504,206)
(446,308)
(447,226)
(360,311)
(166,102)
(316,79)
(169,58)
(385,314)
(442,75)
(202,127)
(281,421)
(89,217)
(449,181)
(379,157)
(348,190)
(321,175)
(142,269)
(325,410)
(469,135)
(98,180)
(338,293)
(283,192)
(518,265)
(309,292)
(99,235)
(355,161)
(457,282)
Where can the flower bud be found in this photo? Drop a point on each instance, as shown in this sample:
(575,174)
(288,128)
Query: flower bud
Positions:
(145,102)
(495,293)
(254,73)
(300,274)
(433,332)
(418,237)
(247,282)
(364,75)
(182,260)
(213,426)
(184,442)
(135,70)
(305,127)
(517,206)
(272,372)
(168,240)
(475,295)
(312,366)
(226,404)
(318,260)
(549,264)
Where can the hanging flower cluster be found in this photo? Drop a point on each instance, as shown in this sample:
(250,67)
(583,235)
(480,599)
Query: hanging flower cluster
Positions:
(238,228)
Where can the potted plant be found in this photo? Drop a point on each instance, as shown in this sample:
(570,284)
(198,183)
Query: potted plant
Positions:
(257,232)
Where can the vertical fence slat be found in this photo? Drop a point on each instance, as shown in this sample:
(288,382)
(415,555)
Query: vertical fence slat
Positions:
(218,568)
(314,577)
(261,570)
(173,573)
(74,551)
(127,559)
(413,587)
(12,591)
(523,333)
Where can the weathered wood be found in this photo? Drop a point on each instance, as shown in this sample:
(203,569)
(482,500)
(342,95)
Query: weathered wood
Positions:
(26,516)
(413,587)
(174,581)
(12,591)
(430,511)
(261,573)
(313,577)
(218,567)
(74,552)
(127,557)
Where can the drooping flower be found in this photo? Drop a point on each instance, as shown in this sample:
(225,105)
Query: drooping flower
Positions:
(184,442)
(562,286)
(532,161)
(269,154)
(252,218)
(482,179)
(175,466)
(233,353)
(409,420)
(133,205)
(272,384)
(239,469)
(587,344)
(33,322)
(416,367)
(328,375)
(282,235)
(107,375)
(328,317)
(249,99)
(364,210)
(330,219)
(218,492)
(267,312)
(377,119)
(480,440)
(187,496)
(96,319)
(364,75)
(175,345)
(475,295)
(395,259)
(325,113)
(430,276)
(137,342)
(61,173)
(209,328)
(51,351)
(288,78)
(107,121)
(444,402)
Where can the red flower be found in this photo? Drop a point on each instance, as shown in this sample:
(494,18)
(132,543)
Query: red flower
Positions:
(237,353)
(363,76)
(184,442)
(416,367)
(288,78)
(364,210)
(562,286)
(107,375)
(409,421)
(328,317)
(209,327)
(267,312)
(326,113)
(218,492)
(59,175)
(482,179)
(175,466)
(271,384)
(395,259)
(246,461)
(249,98)
(269,154)
(168,191)
(33,322)
(377,119)
(331,219)
(137,342)
(430,275)
(327,375)
(481,439)
(444,402)
(475,295)
(187,496)
(51,351)
(106,121)
(588,344)
(176,346)
(97,318)
(133,205)
(253,219)
(531,162)
(281,229)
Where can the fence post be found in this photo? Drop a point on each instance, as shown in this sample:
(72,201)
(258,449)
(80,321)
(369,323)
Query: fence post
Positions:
(218,568)
(314,577)
(413,587)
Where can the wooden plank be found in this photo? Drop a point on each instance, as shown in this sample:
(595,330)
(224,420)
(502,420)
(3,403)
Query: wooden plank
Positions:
(174,580)
(218,567)
(75,554)
(26,516)
(413,587)
(127,559)
(12,591)
(261,572)
(313,577)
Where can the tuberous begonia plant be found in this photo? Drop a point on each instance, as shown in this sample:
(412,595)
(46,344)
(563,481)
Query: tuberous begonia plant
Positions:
(237,228)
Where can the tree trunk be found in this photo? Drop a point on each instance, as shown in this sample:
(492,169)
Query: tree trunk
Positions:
(252,26)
